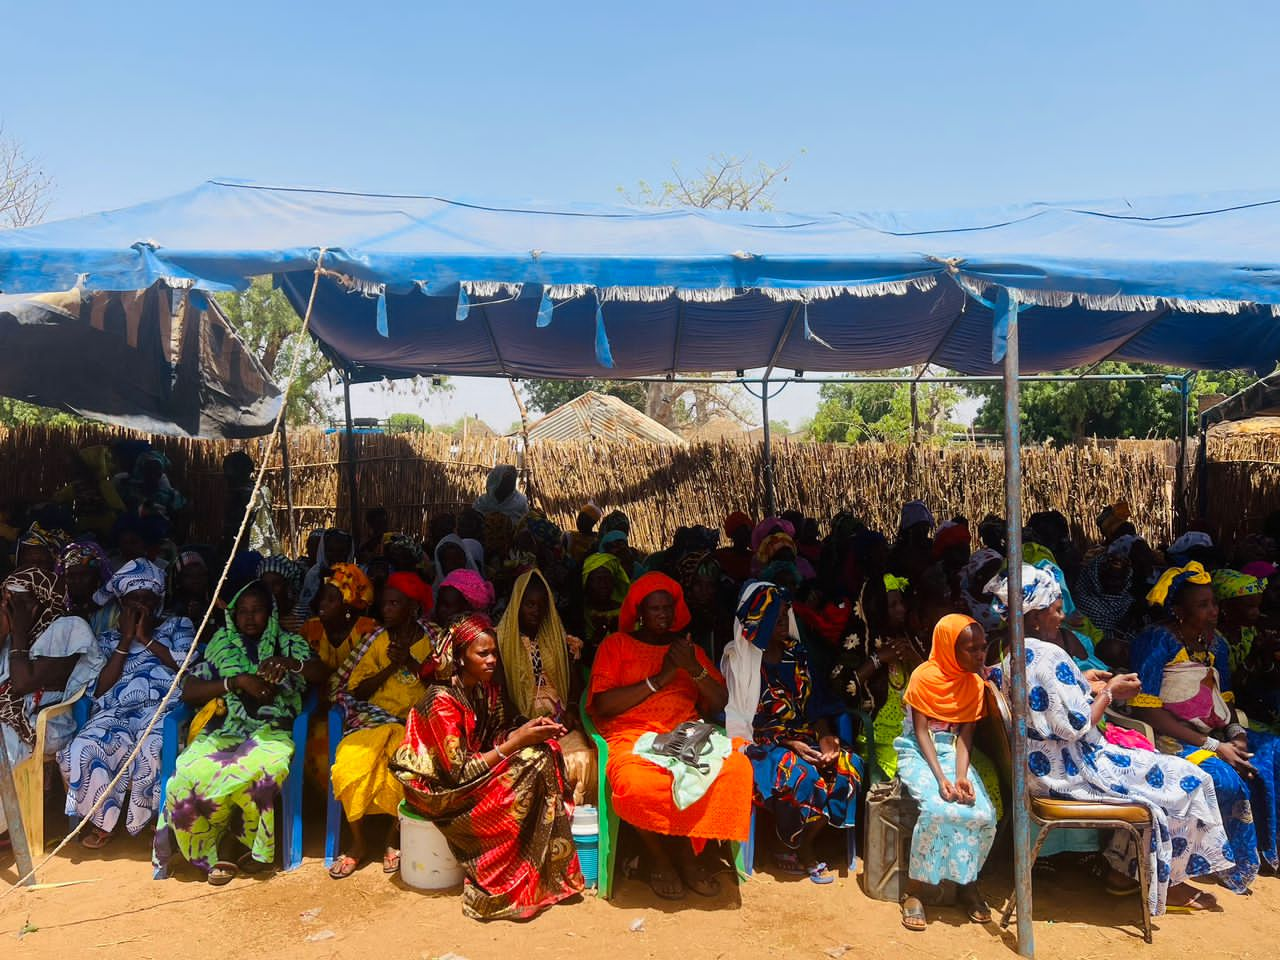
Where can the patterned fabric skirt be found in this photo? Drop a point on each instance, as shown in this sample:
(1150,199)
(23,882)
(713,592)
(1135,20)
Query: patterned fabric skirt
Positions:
(96,755)
(951,840)
(510,831)
(217,777)
(1245,814)
(797,793)
(362,781)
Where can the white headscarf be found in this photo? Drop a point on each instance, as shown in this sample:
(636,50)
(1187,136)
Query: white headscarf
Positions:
(472,550)
(741,664)
(1040,590)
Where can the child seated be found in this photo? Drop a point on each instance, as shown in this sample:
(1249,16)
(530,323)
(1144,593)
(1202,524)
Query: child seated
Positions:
(957,821)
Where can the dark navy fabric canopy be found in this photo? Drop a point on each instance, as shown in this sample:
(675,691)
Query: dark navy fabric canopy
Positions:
(427,285)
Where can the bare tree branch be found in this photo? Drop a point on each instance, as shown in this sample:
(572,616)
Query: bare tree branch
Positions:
(24,187)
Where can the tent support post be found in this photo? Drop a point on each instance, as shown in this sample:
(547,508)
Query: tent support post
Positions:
(770,506)
(1202,471)
(1007,317)
(287,470)
(13,814)
(1180,513)
(353,498)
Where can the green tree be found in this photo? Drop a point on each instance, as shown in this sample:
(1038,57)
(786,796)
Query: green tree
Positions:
(1069,411)
(16,413)
(406,423)
(544,396)
(270,328)
(855,412)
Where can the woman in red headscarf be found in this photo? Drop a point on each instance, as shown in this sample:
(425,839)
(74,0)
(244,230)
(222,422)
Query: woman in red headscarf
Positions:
(649,677)
(498,798)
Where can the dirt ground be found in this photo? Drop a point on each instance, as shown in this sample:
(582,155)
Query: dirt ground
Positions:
(119,911)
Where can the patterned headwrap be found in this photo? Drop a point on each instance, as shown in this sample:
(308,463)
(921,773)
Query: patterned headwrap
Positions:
(1189,541)
(700,563)
(1232,584)
(85,554)
(774,544)
(37,536)
(466,631)
(351,582)
(137,574)
(291,570)
(1039,590)
(970,570)
(1113,517)
(42,585)
(758,613)
(402,541)
(1173,580)
(892,583)
(544,532)
(475,589)
(616,520)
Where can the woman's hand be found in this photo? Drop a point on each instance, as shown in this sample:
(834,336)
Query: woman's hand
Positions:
(947,790)
(830,747)
(536,731)
(1238,758)
(804,751)
(253,687)
(681,655)
(274,669)
(964,791)
(1125,686)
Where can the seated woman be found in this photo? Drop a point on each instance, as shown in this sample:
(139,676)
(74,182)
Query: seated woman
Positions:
(1070,759)
(1183,663)
(498,798)
(376,688)
(604,587)
(334,546)
(142,655)
(1064,625)
(456,553)
(39,548)
(460,593)
(647,678)
(1104,594)
(340,624)
(250,684)
(85,570)
(803,775)
(46,657)
(1254,676)
(284,578)
(540,674)
(957,822)
(189,587)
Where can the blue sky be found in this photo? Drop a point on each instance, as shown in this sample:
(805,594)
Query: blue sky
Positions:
(880,105)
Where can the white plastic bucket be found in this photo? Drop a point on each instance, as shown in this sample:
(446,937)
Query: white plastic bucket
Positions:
(426,862)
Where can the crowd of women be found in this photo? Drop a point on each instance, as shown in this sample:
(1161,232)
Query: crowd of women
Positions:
(462,664)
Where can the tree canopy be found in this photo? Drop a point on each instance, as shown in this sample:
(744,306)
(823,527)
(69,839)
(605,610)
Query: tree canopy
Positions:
(855,412)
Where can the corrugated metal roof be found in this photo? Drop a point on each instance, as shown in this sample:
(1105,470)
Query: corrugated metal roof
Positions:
(598,416)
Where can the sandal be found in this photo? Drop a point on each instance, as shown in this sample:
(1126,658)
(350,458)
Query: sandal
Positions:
(343,867)
(700,882)
(249,865)
(391,862)
(913,917)
(222,873)
(1118,891)
(789,863)
(819,874)
(667,884)
(95,839)
(1202,901)
(973,905)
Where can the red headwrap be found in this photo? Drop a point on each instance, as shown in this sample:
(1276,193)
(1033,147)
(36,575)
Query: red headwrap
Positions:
(467,630)
(629,615)
(413,587)
(949,536)
(735,520)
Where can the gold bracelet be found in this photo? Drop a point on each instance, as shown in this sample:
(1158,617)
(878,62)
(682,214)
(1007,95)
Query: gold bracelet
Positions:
(702,676)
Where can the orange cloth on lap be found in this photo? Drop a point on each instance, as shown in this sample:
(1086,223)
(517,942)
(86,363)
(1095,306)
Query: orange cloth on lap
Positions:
(640,789)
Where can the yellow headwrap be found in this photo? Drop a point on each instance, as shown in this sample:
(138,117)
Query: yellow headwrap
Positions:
(1174,577)
(517,664)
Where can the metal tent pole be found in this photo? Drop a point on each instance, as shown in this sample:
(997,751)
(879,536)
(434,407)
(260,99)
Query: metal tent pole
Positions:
(1007,317)
(286,468)
(352,497)
(13,814)
(1180,512)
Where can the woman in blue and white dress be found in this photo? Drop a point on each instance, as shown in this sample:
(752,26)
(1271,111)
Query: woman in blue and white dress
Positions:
(142,655)
(1069,759)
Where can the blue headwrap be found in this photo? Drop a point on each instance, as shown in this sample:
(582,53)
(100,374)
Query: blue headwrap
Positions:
(759,612)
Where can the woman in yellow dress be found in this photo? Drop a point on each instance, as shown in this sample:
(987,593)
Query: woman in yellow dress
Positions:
(340,623)
(376,687)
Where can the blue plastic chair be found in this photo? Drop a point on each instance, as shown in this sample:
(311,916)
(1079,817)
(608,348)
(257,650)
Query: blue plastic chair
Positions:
(175,722)
(333,811)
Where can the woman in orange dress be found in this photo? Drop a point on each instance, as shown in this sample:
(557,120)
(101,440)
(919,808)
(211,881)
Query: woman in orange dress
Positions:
(649,678)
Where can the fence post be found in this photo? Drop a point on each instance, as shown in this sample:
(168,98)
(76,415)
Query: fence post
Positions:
(769,505)
(353,498)
(288,489)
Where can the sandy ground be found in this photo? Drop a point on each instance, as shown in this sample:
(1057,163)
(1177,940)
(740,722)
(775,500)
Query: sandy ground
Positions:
(119,911)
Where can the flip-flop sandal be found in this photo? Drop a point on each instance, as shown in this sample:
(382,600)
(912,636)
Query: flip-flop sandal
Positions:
(789,863)
(391,862)
(344,867)
(668,892)
(913,917)
(222,873)
(702,883)
(95,839)
(1200,902)
(249,865)
(819,874)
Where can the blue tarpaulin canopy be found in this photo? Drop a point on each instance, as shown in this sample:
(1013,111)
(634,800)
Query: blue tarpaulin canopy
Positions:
(427,285)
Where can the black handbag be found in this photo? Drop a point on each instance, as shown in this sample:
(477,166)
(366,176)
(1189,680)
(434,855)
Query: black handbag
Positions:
(688,743)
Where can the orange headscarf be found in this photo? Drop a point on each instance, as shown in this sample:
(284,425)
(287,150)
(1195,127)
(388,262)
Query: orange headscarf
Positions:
(939,688)
(629,615)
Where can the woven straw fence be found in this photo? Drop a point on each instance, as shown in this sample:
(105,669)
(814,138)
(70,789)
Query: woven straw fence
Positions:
(660,487)
(1243,483)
